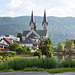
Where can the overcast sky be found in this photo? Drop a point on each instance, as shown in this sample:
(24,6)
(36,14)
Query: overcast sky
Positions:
(59,8)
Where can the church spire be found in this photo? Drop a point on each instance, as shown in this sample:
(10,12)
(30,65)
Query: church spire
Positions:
(32,18)
(32,22)
(44,19)
(45,23)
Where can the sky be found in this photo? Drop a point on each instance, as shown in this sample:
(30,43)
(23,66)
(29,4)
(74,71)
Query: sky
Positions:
(58,8)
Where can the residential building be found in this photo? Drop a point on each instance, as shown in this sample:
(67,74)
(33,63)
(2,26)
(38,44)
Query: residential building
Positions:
(9,37)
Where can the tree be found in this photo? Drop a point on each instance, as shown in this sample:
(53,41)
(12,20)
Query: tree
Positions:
(68,44)
(24,49)
(19,51)
(47,41)
(14,46)
(74,43)
(20,36)
(41,45)
(60,47)
(38,53)
(47,48)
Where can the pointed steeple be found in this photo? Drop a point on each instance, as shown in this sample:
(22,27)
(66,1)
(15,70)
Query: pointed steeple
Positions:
(32,18)
(32,22)
(44,19)
(45,23)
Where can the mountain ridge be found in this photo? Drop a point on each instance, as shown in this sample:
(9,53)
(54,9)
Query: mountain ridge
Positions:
(59,28)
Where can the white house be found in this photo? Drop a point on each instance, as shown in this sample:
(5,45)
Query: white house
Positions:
(9,37)
(6,41)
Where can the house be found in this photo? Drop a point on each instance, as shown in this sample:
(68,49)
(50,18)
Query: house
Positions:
(35,36)
(3,46)
(6,41)
(9,37)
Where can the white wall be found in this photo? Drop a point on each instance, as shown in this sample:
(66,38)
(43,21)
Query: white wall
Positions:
(2,41)
(28,45)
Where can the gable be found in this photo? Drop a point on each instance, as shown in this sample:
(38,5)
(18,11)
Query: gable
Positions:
(3,42)
(6,41)
(32,33)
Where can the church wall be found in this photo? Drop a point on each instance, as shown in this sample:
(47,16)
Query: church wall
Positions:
(28,45)
(23,38)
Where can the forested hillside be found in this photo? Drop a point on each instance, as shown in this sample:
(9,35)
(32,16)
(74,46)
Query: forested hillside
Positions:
(60,28)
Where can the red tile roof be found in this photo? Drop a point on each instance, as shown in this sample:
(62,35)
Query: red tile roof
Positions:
(4,50)
(7,40)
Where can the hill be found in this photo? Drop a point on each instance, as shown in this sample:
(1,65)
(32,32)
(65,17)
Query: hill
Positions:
(60,28)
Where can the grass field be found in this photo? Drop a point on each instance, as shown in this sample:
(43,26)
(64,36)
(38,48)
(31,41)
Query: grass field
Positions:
(56,70)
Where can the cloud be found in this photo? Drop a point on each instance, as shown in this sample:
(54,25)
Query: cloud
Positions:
(53,7)
(1,11)
(15,4)
(11,13)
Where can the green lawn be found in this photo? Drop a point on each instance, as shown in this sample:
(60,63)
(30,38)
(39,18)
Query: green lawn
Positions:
(57,70)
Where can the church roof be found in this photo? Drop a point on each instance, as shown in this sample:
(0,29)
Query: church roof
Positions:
(40,32)
(25,32)
(32,35)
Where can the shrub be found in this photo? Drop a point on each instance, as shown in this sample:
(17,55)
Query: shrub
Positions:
(22,63)
(66,63)
(28,50)
(38,53)
(4,54)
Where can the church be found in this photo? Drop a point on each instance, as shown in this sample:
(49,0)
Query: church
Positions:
(32,38)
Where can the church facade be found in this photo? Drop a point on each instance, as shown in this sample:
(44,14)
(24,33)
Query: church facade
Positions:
(33,35)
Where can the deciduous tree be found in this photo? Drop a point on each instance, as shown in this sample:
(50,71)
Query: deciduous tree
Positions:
(20,36)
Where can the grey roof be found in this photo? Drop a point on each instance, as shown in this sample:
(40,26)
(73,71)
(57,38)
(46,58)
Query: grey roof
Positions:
(40,32)
(27,41)
(25,32)
(32,35)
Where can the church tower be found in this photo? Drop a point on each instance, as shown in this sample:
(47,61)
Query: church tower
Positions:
(32,22)
(45,23)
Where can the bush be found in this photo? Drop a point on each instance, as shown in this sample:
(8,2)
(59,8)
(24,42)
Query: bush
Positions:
(28,50)
(5,54)
(38,53)
(10,70)
(66,63)
(22,63)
